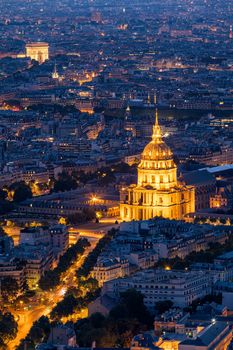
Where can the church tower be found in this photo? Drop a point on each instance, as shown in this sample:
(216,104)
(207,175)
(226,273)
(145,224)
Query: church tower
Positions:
(157,192)
(55,74)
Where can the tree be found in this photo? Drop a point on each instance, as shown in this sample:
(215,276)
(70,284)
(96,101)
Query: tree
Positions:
(8,328)
(21,191)
(9,288)
(119,311)
(97,320)
(38,333)
(65,182)
(50,279)
(55,108)
(86,214)
(3,195)
(118,329)
(90,284)
(3,346)
(125,329)
(40,330)
(65,307)
(76,292)
(91,259)
(106,178)
(131,306)
(163,306)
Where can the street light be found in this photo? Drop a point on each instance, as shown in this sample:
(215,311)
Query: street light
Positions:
(167,268)
(94,199)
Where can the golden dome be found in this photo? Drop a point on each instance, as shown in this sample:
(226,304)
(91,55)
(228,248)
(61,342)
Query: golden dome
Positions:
(156,152)
(157,149)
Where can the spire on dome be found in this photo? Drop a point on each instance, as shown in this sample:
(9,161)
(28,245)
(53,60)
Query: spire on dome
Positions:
(157,135)
(156,117)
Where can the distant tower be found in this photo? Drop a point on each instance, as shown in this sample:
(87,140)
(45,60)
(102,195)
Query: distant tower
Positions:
(148,99)
(155,99)
(230,33)
(128,122)
(127,113)
(55,74)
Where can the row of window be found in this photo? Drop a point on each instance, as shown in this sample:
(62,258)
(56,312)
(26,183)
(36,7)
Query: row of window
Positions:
(153,286)
(153,178)
(158,165)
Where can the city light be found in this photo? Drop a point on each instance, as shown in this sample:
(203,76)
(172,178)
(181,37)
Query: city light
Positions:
(116,174)
(167,268)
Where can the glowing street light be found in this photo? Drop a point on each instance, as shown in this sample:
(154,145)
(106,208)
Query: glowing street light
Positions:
(167,268)
(94,199)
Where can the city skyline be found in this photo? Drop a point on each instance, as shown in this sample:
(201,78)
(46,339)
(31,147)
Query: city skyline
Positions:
(116,174)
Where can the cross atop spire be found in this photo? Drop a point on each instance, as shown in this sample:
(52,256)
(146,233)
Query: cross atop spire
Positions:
(156,117)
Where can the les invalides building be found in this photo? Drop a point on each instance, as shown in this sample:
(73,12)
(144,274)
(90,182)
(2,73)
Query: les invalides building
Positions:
(157,192)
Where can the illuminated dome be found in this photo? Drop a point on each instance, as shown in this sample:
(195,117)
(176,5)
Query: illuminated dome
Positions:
(157,167)
(155,151)
(156,155)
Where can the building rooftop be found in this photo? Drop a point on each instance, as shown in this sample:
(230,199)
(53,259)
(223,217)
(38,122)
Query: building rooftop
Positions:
(198,177)
(211,334)
(37,44)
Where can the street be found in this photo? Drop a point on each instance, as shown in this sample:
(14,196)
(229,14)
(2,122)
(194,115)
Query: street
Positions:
(49,299)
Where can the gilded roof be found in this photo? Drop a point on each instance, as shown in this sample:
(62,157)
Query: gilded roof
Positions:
(157,148)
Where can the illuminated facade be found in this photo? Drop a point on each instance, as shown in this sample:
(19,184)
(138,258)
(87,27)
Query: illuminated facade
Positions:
(38,51)
(157,192)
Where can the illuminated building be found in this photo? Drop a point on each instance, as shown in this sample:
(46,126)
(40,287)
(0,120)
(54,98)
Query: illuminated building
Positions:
(157,192)
(55,74)
(217,335)
(222,197)
(38,51)
(110,269)
(182,287)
